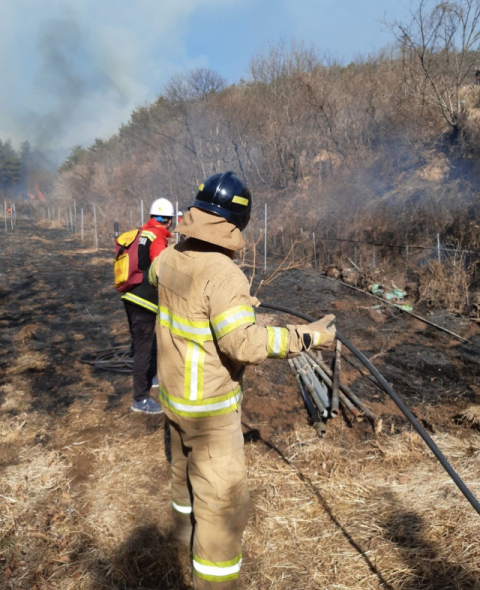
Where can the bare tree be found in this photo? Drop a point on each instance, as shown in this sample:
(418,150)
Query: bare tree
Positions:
(439,49)
(198,83)
(204,82)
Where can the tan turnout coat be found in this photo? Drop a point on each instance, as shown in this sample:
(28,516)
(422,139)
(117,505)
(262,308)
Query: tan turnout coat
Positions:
(207,329)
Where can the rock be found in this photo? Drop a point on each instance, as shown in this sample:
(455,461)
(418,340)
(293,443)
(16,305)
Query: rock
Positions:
(333,272)
(350,276)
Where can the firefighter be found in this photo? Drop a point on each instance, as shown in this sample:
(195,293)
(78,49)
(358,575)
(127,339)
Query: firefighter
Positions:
(141,305)
(207,334)
(477,76)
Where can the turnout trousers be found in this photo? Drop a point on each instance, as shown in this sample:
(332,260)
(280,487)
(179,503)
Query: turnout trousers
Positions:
(210,495)
(144,344)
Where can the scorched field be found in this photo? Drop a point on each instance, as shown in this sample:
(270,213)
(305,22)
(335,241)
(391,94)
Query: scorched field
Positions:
(84,483)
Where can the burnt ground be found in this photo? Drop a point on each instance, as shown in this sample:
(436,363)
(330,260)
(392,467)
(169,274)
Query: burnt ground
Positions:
(57,301)
(436,374)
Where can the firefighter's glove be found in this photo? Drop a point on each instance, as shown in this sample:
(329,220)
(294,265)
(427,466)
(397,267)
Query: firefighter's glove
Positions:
(255,302)
(152,276)
(319,334)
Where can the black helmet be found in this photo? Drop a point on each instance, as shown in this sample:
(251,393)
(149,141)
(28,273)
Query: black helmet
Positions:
(226,195)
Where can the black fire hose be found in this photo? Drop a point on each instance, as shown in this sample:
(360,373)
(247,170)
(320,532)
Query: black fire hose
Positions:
(397,399)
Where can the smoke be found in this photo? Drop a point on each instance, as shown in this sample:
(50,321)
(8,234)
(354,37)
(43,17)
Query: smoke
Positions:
(76,70)
(73,70)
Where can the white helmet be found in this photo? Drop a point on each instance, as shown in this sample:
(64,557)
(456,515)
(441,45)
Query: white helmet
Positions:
(162,208)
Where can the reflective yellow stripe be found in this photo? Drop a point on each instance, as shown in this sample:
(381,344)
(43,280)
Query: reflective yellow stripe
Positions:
(152,276)
(213,406)
(240,200)
(195,330)
(182,508)
(231,319)
(148,234)
(200,372)
(194,366)
(201,187)
(140,301)
(188,371)
(217,571)
(277,346)
(316,339)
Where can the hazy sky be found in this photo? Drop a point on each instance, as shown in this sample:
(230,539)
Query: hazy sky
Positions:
(73,70)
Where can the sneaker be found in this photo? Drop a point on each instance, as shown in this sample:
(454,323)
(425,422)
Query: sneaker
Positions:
(155,382)
(147,406)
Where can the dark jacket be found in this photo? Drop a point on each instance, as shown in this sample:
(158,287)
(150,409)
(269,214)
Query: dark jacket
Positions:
(153,239)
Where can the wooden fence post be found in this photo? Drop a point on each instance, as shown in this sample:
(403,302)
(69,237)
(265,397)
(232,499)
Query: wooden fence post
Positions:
(95,223)
(176,221)
(406,255)
(265,241)
(355,248)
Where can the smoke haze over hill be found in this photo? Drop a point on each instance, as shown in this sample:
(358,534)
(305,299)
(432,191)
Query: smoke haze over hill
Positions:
(75,71)
(72,71)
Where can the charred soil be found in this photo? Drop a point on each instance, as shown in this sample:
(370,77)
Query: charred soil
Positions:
(85,483)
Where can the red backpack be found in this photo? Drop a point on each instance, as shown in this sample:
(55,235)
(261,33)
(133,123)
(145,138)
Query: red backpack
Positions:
(125,267)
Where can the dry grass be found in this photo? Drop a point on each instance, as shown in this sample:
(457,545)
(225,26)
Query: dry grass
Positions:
(84,516)
(15,397)
(101,262)
(29,362)
(471,416)
(26,333)
(330,518)
(95,513)
(446,284)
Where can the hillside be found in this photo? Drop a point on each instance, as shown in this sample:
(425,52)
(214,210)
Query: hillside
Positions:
(355,152)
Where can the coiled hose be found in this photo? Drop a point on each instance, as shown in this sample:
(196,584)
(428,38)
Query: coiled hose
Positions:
(116,360)
(398,401)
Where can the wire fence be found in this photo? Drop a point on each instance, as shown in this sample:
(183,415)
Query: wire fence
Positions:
(265,247)
(277,244)
(90,222)
(319,249)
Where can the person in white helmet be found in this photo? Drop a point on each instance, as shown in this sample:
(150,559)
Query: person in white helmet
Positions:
(141,305)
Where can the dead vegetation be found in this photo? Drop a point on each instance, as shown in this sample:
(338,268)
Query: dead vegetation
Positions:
(357,519)
(84,487)
(384,149)
(27,362)
(95,513)
(471,416)
(447,285)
